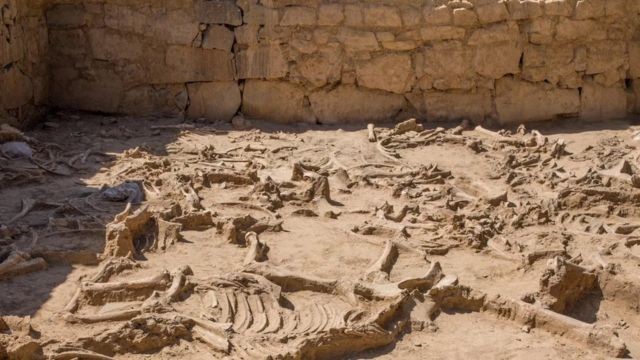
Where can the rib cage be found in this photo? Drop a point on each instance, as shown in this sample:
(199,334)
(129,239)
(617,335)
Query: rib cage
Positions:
(261,314)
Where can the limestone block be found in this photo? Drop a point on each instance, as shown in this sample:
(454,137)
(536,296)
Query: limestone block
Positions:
(558,8)
(616,8)
(17,88)
(601,103)
(358,40)
(323,67)
(176,27)
(260,15)
(103,92)
(464,17)
(589,9)
(155,99)
(401,45)
(548,63)
(492,12)
(353,15)
(111,45)
(454,106)
(635,105)
(448,65)
(382,16)
(521,101)
(67,42)
(330,14)
(604,56)
(570,30)
(540,30)
(440,33)
(262,61)
(127,19)
(440,15)
(411,16)
(348,104)
(213,100)
(66,15)
(525,9)
(218,37)
(187,64)
(218,12)
(389,72)
(298,16)
(498,60)
(495,33)
(247,34)
(275,101)
(634,59)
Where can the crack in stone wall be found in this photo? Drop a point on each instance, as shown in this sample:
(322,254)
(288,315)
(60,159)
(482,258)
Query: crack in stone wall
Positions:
(506,61)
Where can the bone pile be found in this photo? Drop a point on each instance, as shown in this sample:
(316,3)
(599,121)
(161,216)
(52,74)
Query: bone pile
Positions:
(203,241)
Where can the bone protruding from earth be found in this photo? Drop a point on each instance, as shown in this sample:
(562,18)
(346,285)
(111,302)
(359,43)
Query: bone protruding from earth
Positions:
(18,263)
(27,206)
(257,250)
(371,133)
(122,232)
(458,297)
(380,269)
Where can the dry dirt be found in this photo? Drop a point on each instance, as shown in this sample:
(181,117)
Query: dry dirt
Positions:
(318,242)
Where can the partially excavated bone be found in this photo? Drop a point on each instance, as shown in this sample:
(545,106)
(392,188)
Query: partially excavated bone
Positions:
(125,229)
(257,250)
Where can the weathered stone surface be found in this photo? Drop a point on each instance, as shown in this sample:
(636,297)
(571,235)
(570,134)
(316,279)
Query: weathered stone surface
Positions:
(492,12)
(440,33)
(170,99)
(262,61)
(521,101)
(218,12)
(330,14)
(440,15)
(495,33)
(382,16)
(634,59)
(66,15)
(275,101)
(187,64)
(357,40)
(548,63)
(112,45)
(570,30)
(214,100)
(464,17)
(498,60)
(298,16)
(452,106)
(605,55)
(448,65)
(586,9)
(558,8)
(347,104)
(525,9)
(101,93)
(322,68)
(17,88)
(218,37)
(601,103)
(391,72)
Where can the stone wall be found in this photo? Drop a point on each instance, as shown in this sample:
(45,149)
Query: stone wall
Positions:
(23,62)
(336,61)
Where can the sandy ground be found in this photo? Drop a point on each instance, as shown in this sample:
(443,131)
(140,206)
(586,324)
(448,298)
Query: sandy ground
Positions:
(529,241)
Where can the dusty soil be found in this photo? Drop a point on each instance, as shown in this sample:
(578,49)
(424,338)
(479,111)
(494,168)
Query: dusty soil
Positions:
(315,242)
